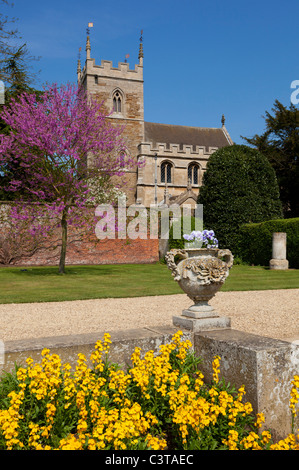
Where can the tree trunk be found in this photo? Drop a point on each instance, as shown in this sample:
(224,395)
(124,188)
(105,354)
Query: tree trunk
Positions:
(64,242)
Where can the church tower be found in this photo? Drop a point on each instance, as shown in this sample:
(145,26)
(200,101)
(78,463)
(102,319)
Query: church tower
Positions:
(174,157)
(121,91)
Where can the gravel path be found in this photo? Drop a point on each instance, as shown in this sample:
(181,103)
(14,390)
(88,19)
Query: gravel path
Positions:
(272,313)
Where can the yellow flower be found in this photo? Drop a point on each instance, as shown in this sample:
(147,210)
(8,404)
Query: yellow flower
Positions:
(251,441)
(70,443)
(232,440)
(260,419)
(155,443)
(266,437)
(216,369)
(289,443)
(294,395)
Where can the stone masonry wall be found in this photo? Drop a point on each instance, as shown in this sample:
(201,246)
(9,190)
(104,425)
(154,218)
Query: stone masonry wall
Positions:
(131,119)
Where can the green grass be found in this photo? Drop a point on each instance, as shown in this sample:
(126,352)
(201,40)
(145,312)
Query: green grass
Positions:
(44,284)
(242,278)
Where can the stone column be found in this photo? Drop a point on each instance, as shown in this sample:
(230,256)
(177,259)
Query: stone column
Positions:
(279,251)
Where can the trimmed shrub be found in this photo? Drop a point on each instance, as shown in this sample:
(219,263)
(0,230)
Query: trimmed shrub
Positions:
(256,241)
(239,186)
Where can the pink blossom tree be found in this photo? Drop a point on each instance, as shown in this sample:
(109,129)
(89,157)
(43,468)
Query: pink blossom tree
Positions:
(65,153)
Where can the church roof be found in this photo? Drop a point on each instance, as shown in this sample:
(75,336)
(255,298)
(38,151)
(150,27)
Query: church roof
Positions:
(183,135)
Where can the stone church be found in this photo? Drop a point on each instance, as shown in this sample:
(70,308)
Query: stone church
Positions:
(175,157)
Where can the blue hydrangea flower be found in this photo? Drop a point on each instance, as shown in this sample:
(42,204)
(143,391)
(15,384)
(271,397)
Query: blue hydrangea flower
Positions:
(207,237)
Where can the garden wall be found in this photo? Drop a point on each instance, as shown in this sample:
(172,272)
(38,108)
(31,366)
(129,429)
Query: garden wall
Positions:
(20,249)
(99,252)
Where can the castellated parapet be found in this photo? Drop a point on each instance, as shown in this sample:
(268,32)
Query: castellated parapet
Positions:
(176,150)
(106,70)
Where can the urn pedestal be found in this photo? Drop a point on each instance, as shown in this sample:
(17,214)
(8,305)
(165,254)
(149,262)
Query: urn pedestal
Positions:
(200,272)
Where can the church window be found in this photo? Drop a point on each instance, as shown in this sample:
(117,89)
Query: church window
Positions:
(193,173)
(166,173)
(122,160)
(117,102)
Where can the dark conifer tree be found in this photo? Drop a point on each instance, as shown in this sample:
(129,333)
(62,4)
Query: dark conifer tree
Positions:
(280,144)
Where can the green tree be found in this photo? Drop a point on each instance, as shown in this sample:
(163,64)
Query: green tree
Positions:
(16,73)
(20,82)
(239,186)
(280,144)
(6,34)
(15,62)
(16,69)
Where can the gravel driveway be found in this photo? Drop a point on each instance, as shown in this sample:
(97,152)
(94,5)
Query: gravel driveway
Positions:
(273,313)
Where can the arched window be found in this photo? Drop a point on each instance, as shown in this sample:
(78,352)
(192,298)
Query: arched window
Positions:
(122,160)
(166,172)
(117,102)
(193,173)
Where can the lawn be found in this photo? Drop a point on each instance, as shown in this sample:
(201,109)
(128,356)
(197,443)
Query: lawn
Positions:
(44,284)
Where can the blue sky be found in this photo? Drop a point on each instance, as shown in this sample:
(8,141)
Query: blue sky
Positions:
(201,59)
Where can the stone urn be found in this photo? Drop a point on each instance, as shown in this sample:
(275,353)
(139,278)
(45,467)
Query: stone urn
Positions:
(200,272)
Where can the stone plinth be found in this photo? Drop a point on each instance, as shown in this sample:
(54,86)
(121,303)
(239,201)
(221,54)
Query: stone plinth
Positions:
(279,264)
(201,324)
(279,251)
(265,366)
(201,317)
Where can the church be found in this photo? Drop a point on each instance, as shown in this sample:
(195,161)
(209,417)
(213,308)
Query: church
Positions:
(175,157)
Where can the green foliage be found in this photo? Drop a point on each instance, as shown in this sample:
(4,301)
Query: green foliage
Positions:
(8,383)
(10,171)
(239,186)
(256,241)
(280,144)
(16,72)
(15,69)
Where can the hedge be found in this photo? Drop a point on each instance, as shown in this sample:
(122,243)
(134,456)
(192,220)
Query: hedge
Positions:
(256,241)
(239,187)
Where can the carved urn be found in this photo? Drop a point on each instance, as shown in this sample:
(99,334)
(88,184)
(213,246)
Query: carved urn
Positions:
(200,272)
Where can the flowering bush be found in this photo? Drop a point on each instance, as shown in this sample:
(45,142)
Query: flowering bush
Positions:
(46,151)
(204,239)
(160,402)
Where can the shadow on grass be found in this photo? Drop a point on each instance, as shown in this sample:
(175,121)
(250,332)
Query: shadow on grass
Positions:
(69,271)
(84,270)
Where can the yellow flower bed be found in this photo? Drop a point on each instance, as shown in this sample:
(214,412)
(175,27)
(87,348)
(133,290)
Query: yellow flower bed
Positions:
(161,402)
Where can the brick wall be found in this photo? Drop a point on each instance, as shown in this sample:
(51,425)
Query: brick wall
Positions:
(114,252)
(85,248)
(104,252)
